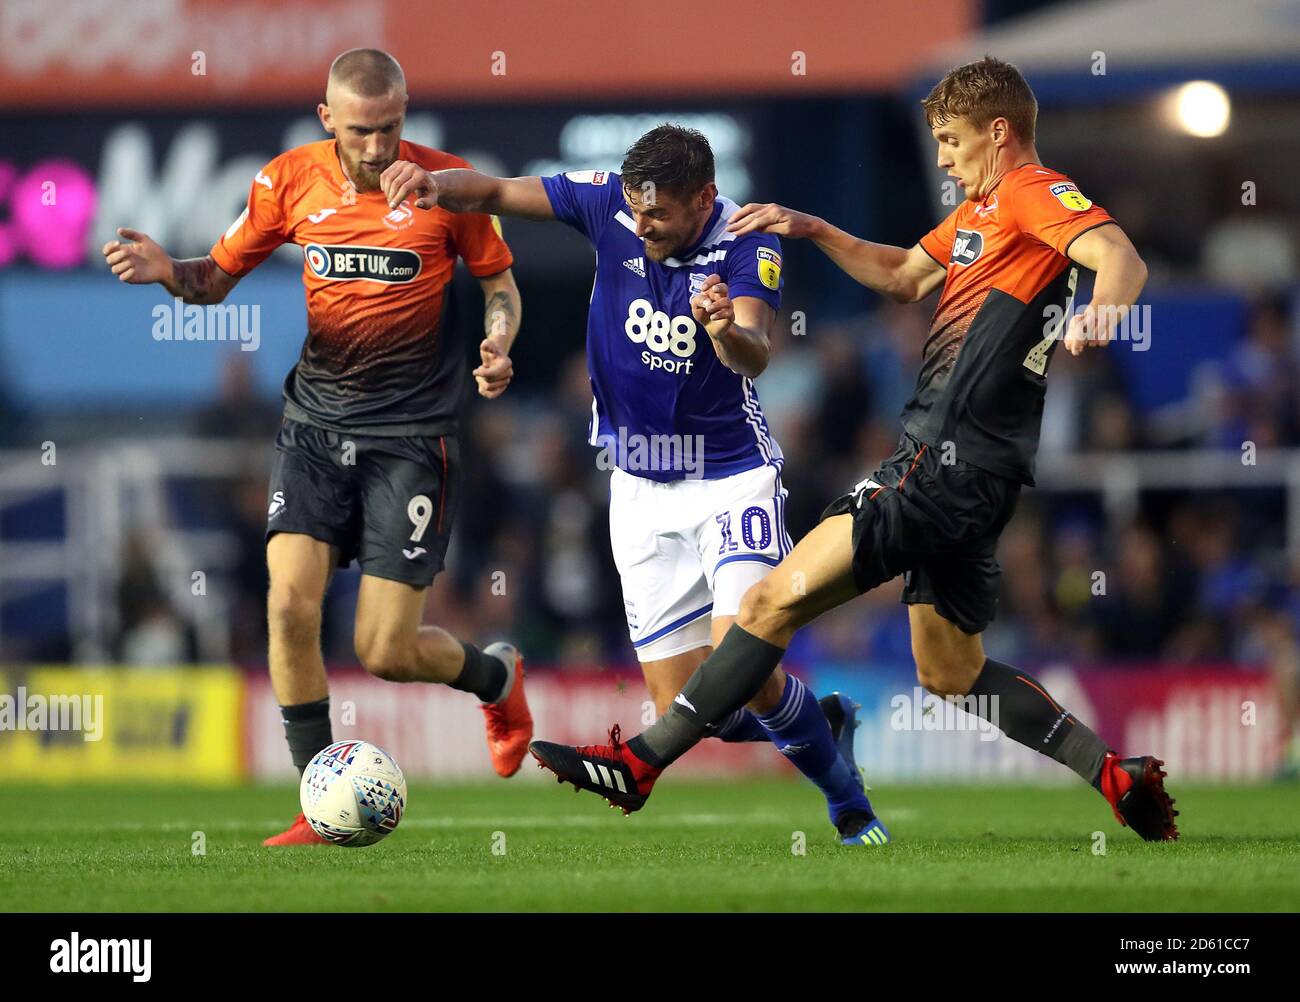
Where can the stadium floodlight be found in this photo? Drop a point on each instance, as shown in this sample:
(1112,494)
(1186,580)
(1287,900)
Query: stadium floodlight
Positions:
(1200,108)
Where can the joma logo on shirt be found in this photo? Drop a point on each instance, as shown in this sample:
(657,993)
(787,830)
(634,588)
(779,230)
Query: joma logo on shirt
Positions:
(968,245)
(373,264)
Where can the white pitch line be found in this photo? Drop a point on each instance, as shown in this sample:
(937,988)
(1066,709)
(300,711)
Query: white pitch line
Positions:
(497,822)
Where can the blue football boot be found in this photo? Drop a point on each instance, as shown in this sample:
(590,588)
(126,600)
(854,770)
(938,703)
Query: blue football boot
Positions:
(842,714)
(855,825)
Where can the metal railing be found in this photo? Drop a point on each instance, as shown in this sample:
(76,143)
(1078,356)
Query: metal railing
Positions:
(112,489)
(1120,478)
(106,492)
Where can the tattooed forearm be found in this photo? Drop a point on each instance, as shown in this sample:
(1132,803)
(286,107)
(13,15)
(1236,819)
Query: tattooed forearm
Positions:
(199,280)
(501,314)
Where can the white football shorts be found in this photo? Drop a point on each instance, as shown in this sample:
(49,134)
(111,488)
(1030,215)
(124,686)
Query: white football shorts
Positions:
(688,550)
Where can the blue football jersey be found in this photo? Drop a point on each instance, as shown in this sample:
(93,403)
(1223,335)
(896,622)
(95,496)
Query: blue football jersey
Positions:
(655,376)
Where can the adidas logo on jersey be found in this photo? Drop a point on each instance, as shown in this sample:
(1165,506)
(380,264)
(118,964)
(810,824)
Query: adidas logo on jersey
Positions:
(636,265)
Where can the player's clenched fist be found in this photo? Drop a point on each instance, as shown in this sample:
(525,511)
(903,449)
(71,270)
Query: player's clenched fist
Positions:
(136,258)
(401,179)
(494,375)
(712,306)
(1088,329)
(771,218)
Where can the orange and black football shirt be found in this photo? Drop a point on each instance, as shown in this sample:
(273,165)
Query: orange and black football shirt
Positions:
(376,360)
(1009,290)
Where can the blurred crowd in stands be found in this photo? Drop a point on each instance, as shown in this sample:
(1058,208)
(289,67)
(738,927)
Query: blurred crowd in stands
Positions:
(1195,576)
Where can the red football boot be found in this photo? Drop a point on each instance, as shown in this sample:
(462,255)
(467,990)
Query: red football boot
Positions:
(509,724)
(610,770)
(1135,789)
(298,833)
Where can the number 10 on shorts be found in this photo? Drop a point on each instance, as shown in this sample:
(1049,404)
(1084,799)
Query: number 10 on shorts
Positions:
(755,530)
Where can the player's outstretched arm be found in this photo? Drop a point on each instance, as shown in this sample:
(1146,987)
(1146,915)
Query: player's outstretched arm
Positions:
(1121,274)
(139,260)
(903,275)
(463,190)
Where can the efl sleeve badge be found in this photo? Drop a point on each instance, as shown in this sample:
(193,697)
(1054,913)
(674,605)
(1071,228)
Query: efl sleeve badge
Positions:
(1070,196)
(769,268)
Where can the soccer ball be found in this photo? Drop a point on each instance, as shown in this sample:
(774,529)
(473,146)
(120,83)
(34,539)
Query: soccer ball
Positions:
(353,793)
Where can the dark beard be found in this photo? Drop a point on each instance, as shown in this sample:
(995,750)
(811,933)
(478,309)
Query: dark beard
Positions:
(363,178)
(664,253)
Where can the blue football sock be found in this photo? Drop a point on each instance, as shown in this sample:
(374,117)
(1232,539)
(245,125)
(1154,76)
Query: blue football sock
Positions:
(800,732)
(739,726)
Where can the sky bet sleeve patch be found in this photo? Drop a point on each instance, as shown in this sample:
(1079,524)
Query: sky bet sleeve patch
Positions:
(1070,196)
(769,268)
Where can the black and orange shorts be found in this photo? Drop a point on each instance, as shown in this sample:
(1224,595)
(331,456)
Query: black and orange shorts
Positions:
(935,523)
(386,502)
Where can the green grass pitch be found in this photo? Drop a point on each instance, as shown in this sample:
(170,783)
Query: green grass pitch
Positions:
(710,846)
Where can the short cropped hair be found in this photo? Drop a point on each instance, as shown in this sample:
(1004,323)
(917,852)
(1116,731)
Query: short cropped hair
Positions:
(367,73)
(980,92)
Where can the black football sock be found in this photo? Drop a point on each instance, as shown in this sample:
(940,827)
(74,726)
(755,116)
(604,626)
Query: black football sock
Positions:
(483,675)
(738,727)
(729,678)
(307,729)
(1017,703)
